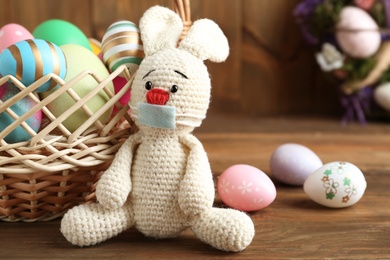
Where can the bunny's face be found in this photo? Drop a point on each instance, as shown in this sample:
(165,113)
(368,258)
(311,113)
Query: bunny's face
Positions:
(171,89)
(176,79)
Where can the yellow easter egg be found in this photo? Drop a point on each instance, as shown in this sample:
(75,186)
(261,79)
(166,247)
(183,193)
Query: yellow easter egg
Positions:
(95,45)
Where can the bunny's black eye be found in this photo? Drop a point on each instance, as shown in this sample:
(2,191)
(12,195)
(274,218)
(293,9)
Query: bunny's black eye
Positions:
(148,85)
(174,89)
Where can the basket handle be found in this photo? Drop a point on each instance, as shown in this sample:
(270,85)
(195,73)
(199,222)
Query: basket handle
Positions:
(183,9)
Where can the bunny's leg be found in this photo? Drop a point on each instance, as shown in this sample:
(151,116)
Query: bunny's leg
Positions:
(224,229)
(90,224)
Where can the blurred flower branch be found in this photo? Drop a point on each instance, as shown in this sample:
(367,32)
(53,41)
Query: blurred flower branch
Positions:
(350,40)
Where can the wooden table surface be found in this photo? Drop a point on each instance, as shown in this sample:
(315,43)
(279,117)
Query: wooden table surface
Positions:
(292,227)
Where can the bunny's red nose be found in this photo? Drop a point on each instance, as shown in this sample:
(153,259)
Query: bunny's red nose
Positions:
(157,96)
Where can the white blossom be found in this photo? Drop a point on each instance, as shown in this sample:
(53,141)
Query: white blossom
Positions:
(329,58)
(245,187)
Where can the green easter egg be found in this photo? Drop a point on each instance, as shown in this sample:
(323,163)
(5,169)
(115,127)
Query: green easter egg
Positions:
(61,32)
(80,59)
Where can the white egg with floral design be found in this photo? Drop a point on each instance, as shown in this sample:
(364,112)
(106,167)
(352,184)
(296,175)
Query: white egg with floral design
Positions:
(336,185)
(245,188)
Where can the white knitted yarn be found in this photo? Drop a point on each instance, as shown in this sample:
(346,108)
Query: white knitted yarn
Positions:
(160,180)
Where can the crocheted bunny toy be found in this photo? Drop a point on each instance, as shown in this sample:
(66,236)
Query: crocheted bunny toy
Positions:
(160,181)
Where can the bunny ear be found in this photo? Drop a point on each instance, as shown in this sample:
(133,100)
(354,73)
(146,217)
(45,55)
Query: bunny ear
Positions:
(206,41)
(160,28)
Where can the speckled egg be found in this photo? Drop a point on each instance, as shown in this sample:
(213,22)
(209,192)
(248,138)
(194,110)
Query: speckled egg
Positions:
(12,33)
(336,185)
(246,188)
(30,60)
(357,33)
(122,45)
(293,163)
(19,134)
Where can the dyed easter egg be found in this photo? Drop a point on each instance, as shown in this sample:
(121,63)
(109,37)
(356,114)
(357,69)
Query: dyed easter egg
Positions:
(119,83)
(382,95)
(293,163)
(245,188)
(95,46)
(32,59)
(61,32)
(19,134)
(357,33)
(121,45)
(336,185)
(12,33)
(80,59)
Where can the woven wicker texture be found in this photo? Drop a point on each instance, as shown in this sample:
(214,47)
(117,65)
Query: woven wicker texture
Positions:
(42,178)
(57,169)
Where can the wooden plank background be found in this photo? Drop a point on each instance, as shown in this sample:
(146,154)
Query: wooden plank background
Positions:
(270,71)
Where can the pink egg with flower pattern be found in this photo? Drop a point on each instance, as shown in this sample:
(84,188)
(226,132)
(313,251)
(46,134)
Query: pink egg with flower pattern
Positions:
(246,188)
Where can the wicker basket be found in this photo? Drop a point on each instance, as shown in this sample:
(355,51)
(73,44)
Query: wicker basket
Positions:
(42,178)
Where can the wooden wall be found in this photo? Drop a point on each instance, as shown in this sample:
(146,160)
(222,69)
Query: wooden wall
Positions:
(269,71)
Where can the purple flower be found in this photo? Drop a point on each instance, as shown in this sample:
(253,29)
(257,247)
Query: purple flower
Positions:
(386,5)
(303,11)
(355,105)
(306,8)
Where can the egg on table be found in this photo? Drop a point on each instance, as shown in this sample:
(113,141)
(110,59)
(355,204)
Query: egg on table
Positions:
(61,32)
(357,33)
(12,33)
(80,59)
(121,45)
(19,134)
(292,163)
(245,188)
(336,185)
(32,59)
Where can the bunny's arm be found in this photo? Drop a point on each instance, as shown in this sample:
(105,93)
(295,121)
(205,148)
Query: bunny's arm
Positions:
(114,186)
(197,187)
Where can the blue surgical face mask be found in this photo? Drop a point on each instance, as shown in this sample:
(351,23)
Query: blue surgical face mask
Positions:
(156,116)
(165,117)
